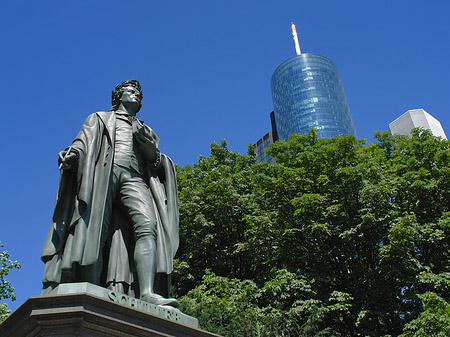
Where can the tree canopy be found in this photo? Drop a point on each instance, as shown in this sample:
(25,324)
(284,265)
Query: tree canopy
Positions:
(337,238)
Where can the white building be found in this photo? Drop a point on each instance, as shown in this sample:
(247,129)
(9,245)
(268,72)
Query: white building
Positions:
(416,118)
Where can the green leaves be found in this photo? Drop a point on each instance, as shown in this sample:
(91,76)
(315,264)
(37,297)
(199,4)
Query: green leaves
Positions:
(336,238)
(6,289)
(434,320)
(287,305)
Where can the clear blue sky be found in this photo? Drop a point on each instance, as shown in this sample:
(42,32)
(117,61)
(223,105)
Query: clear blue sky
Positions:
(205,69)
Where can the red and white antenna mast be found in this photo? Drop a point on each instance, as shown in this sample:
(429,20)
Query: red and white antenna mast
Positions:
(294,35)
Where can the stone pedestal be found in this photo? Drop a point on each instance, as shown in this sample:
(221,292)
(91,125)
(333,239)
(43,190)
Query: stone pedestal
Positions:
(85,314)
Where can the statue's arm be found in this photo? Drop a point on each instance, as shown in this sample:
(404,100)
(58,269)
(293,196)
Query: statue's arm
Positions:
(70,157)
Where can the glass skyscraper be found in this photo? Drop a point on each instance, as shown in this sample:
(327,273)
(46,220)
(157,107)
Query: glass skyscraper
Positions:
(307,93)
(261,146)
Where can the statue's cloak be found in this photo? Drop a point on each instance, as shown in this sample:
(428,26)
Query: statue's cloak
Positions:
(74,239)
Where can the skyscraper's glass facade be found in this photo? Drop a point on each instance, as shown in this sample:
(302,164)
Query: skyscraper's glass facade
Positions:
(261,146)
(307,93)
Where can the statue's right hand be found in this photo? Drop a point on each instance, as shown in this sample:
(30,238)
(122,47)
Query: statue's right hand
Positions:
(66,160)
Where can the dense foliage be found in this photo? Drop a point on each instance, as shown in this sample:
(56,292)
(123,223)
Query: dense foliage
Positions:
(337,238)
(6,290)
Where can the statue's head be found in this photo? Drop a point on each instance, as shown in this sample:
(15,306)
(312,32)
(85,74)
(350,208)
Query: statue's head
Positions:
(116,97)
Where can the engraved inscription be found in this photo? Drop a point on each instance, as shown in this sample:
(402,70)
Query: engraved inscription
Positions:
(143,306)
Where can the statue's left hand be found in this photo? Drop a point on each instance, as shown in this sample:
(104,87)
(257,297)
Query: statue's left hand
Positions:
(147,144)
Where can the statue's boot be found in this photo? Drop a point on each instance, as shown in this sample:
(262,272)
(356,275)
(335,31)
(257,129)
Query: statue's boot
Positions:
(145,259)
(159,300)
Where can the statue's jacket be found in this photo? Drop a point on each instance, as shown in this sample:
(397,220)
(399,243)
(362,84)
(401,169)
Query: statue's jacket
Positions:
(74,238)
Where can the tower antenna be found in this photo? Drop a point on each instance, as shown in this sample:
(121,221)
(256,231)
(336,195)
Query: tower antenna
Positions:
(294,35)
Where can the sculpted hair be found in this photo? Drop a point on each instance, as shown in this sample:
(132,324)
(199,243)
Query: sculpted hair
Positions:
(118,91)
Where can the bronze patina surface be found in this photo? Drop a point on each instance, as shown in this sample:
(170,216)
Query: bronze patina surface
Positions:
(115,222)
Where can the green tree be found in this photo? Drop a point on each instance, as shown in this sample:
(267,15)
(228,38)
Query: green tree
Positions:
(364,227)
(287,305)
(6,290)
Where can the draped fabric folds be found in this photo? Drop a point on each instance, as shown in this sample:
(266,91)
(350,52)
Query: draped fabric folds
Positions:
(73,241)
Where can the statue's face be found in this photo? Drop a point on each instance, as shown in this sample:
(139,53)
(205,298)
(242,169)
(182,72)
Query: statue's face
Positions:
(130,95)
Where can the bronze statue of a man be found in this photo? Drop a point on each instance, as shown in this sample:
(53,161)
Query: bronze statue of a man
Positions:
(115,222)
